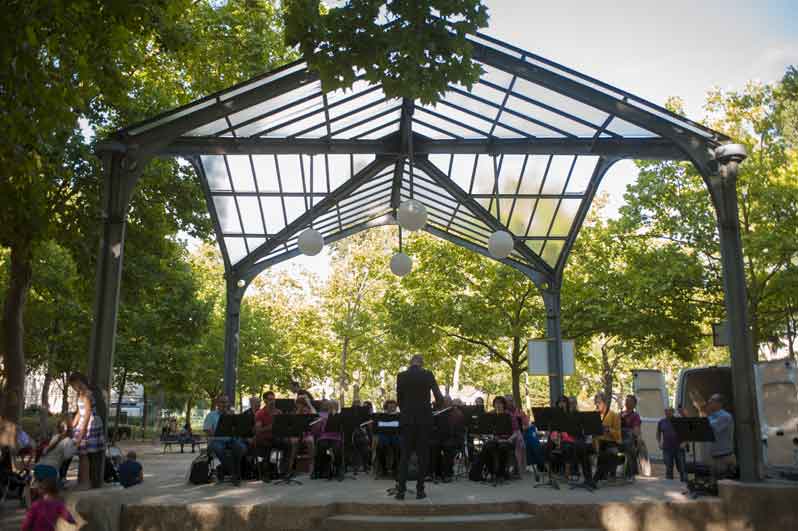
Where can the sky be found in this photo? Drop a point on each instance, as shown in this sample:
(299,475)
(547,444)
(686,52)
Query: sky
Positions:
(652,48)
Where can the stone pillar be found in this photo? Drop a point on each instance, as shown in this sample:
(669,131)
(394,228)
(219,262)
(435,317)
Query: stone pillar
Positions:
(723,189)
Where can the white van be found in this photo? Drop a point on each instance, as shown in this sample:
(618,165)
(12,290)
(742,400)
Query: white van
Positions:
(777,403)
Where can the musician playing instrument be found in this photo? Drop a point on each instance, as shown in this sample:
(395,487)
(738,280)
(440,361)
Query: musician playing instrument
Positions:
(499,449)
(303,407)
(387,445)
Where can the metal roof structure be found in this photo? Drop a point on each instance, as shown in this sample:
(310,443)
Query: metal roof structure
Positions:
(523,150)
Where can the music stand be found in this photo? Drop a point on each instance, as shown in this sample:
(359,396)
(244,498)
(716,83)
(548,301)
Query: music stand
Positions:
(584,423)
(692,430)
(550,419)
(286,405)
(386,424)
(285,426)
(351,419)
(234,426)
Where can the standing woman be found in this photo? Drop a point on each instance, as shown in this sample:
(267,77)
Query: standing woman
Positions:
(89,434)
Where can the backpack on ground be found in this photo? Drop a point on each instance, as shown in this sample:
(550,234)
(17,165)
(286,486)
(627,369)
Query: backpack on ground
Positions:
(477,470)
(200,471)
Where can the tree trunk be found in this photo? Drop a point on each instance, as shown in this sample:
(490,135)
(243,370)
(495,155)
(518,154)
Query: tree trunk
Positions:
(458,365)
(189,405)
(516,369)
(119,395)
(19,280)
(344,353)
(44,411)
(65,394)
(606,374)
(144,412)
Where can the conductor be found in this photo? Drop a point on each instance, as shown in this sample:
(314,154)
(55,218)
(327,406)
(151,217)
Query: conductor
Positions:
(413,387)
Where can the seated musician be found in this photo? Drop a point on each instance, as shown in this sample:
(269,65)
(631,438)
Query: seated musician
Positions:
(388,446)
(218,445)
(328,445)
(605,445)
(630,431)
(499,450)
(559,449)
(303,407)
(520,424)
(448,437)
(264,439)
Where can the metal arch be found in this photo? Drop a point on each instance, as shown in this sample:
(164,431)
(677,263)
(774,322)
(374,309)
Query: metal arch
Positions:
(697,148)
(535,276)
(258,268)
(481,213)
(602,167)
(343,191)
(628,148)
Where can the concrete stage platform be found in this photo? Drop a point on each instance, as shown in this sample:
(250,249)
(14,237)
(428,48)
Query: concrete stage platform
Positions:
(166,502)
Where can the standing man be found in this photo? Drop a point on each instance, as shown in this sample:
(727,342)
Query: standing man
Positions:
(671,446)
(413,387)
(722,424)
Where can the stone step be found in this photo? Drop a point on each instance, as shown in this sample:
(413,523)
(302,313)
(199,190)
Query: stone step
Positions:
(465,522)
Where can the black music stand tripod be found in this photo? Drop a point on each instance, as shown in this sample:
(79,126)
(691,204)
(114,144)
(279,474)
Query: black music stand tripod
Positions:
(692,430)
(286,426)
(584,424)
(550,419)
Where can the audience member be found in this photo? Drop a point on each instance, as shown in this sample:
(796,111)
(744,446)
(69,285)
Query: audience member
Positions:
(45,512)
(130,472)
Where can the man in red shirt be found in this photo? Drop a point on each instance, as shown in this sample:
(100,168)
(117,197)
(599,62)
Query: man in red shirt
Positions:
(264,440)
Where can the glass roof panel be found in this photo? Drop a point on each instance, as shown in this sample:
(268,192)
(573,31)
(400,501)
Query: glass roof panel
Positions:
(433,132)
(250,215)
(534,173)
(583,171)
(543,214)
(209,129)
(236,249)
(442,118)
(293,109)
(554,101)
(565,217)
(228,214)
(552,250)
(627,129)
(254,243)
(375,134)
(241,173)
(462,170)
(520,213)
(216,172)
(286,102)
(289,172)
(294,207)
(559,170)
(557,123)
(265,173)
(273,213)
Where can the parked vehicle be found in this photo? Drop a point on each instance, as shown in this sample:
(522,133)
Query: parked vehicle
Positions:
(777,405)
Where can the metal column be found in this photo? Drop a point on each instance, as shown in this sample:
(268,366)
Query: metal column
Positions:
(723,190)
(232,326)
(551,300)
(118,184)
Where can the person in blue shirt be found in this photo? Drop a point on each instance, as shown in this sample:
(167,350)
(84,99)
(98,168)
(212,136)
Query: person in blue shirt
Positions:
(131,472)
(218,445)
(722,423)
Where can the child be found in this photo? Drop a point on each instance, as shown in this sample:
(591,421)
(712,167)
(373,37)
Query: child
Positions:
(43,515)
(131,472)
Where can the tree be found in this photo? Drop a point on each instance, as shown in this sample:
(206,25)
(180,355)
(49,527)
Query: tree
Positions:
(626,300)
(415,49)
(670,203)
(454,293)
(67,61)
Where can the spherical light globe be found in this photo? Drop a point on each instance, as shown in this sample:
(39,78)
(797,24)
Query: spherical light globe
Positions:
(401,264)
(241,283)
(412,215)
(310,242)
(500,244)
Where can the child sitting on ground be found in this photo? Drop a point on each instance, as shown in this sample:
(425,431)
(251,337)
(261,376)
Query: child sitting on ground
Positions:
(44,513)
(131,472)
